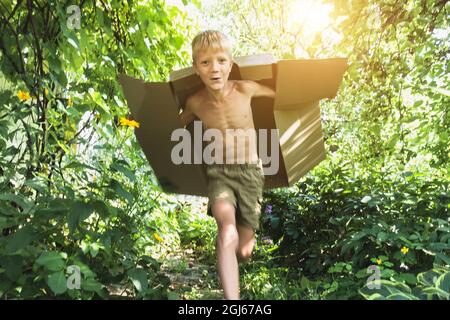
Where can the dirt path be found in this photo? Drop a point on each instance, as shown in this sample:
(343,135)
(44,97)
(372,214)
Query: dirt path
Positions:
(192,278)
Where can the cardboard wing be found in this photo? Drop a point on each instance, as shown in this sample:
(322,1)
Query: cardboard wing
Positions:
(300,86)
(155,107)
(295,112)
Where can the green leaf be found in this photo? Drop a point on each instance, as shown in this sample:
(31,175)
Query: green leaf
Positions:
(408,278)
(387,288)
(173,296)
(13,266)
(96,97)
(382,236)
(101,208)
(401,296)
(90,284)
(116,186)
(52,260)
(409,243)
(57,282)
(5,285)
(5,96)
(71,38)
(7,222)
(437,291)
(79,165)
(115,166)
(442,91)
(38,184)
(438,246)
(56,207)
(373,296)
(417,103)
(305,283)
(78,213)
(443,282)
(443,257)
(84,269)
(93,249)
(73,43)
(392,141)
(54,63)
(428,278)
(139,278)
(20,239)
(366,199)
(20,200)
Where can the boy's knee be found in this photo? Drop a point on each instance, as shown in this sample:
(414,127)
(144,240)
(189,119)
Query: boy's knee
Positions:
(228,235)
(244,251)
(222,207)
(243,254)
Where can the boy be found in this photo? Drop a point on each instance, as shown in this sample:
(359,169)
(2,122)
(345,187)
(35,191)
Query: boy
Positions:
(234,188)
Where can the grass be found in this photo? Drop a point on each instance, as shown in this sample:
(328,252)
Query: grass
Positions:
(193,274)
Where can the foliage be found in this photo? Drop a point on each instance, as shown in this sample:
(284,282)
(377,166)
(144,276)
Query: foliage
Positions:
(333,217)
(196,230)
(431,285)
(324,217)
(73,190)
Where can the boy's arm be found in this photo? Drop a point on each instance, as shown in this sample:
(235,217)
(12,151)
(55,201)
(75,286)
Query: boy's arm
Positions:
(257,90)
(187,116)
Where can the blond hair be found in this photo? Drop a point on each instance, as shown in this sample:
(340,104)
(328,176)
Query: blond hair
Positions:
(210,39)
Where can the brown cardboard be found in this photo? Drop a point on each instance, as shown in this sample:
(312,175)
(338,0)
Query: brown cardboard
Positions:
(295,112)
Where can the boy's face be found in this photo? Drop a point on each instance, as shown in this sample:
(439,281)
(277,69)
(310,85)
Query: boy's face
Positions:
(213,67)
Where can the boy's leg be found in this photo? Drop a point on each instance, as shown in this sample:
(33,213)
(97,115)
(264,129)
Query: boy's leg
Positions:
(226,246)
(246,242)
(249,190)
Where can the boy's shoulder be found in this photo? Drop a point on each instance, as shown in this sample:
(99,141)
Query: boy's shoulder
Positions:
(244,84)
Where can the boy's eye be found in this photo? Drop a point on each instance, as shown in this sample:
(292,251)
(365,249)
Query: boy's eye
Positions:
(204,62)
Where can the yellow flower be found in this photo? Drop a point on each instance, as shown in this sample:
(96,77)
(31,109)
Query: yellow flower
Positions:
(379,261)
(46,91)
(23,95)
(70,102)
(157,237)
(404,250)
(131,123)
(123,121)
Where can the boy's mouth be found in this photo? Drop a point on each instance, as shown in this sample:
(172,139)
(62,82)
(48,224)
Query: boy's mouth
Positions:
(215,78)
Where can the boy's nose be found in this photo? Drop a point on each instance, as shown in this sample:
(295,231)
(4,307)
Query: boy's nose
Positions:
(215,66)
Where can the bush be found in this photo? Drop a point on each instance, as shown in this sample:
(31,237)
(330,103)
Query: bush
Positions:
(431,285)
(333,222)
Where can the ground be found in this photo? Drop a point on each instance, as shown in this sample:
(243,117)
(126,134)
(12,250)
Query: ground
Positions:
(192,277)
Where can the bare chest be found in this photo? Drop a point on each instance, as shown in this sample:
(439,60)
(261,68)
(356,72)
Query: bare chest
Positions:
(235,112)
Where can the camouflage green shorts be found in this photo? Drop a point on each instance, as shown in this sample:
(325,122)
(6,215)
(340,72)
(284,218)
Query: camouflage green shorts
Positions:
(241,185)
